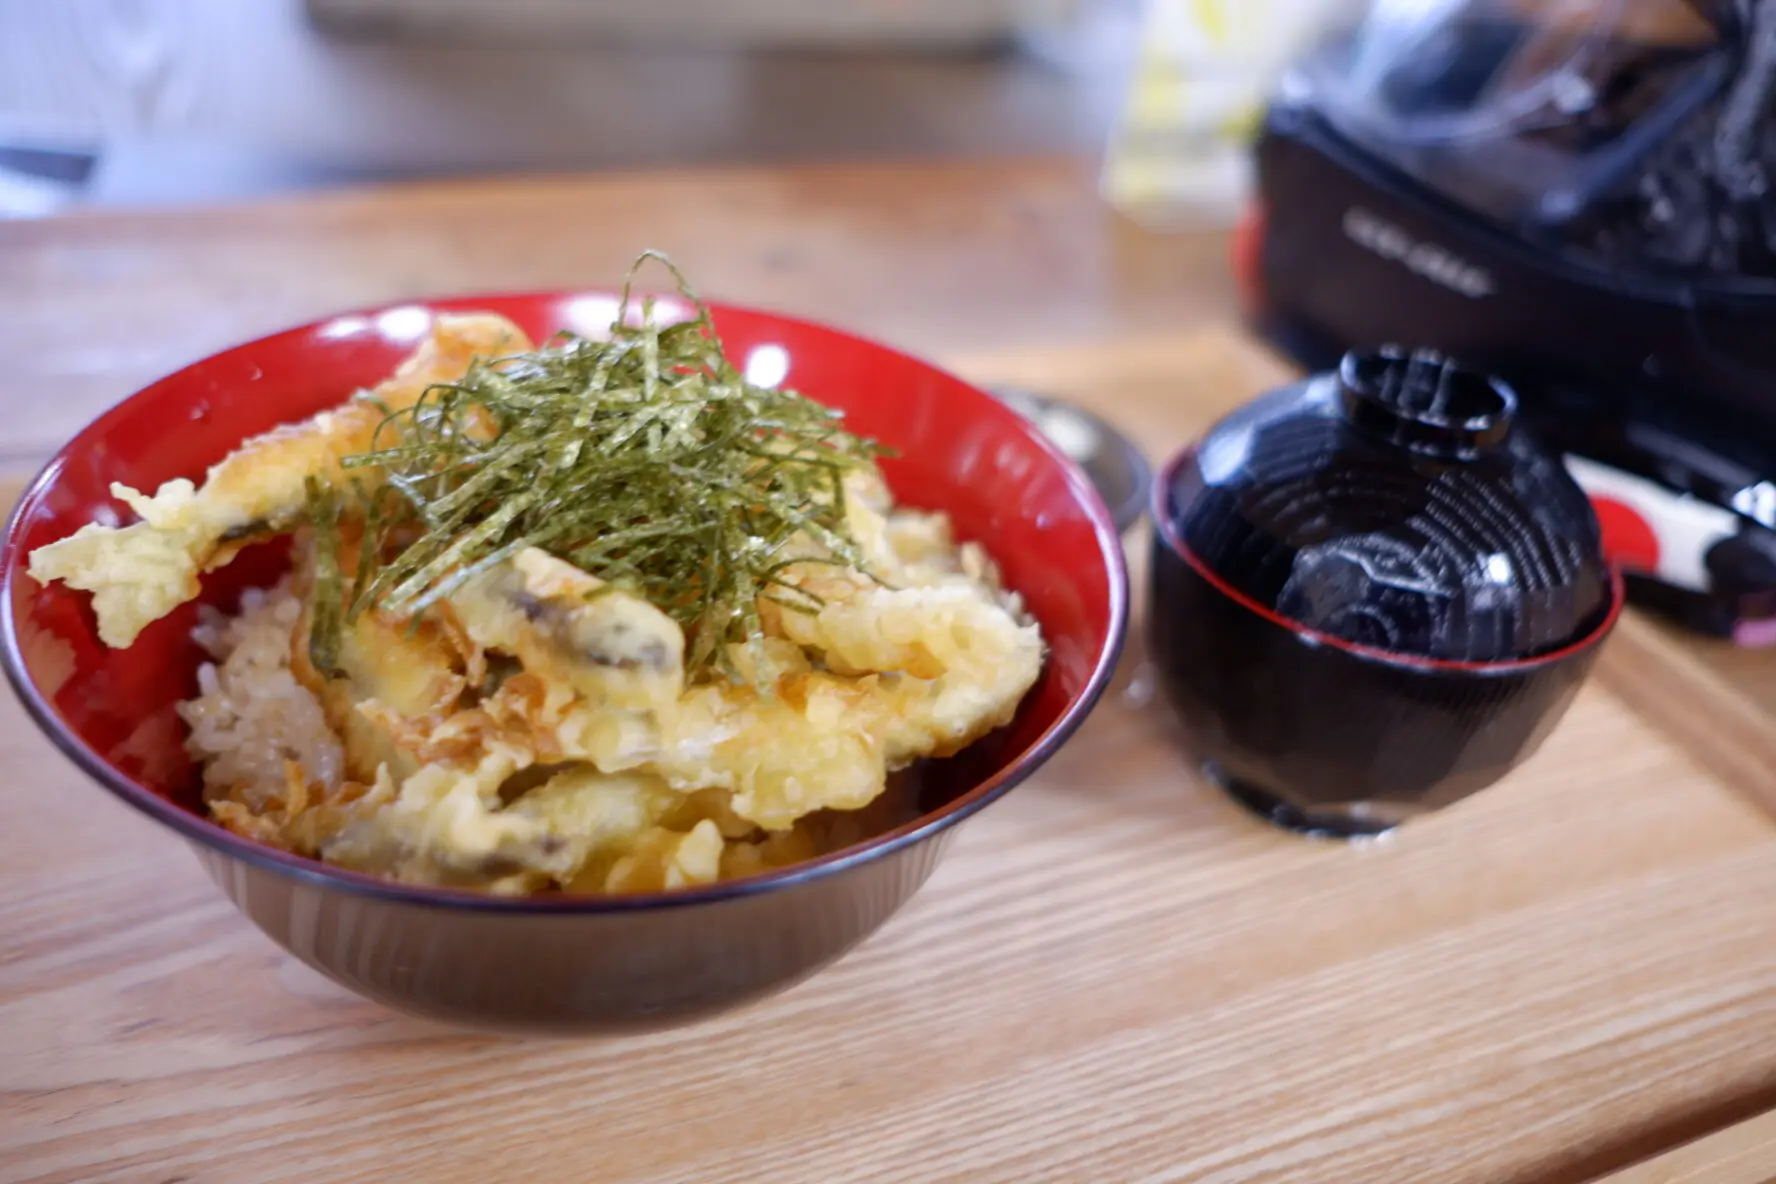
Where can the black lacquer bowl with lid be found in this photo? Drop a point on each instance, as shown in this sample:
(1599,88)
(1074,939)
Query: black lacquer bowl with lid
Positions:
(1373,593)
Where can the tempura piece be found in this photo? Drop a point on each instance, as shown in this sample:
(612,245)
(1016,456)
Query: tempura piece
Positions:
(828,740)
(385,669)
(565,626)
(139,573)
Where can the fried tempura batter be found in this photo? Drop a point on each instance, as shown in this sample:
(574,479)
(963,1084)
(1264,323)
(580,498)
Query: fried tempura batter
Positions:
(535,727)
(139,573)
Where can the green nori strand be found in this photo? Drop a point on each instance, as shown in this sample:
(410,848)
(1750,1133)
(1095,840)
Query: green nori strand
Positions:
(645,459)
(324,628)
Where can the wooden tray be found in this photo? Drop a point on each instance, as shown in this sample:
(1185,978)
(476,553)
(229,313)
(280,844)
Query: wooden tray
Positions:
(1116,976)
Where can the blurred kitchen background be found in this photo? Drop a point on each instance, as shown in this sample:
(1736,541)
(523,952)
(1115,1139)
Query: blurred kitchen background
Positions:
(134,102)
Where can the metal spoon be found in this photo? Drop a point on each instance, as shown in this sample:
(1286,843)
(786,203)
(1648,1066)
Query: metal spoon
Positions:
(1118,469)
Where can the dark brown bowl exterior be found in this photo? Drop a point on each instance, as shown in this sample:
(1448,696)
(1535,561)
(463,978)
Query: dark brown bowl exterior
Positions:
(567,973)
(1327,738)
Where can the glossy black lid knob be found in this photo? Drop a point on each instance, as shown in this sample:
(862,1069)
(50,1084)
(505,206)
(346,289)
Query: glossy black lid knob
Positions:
(1425,402)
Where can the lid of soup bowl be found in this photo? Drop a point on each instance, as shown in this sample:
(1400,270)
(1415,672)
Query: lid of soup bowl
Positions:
(1395,504)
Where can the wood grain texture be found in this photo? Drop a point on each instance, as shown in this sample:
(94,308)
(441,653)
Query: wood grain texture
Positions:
(1743,1153)
(1115,977)
(939,257)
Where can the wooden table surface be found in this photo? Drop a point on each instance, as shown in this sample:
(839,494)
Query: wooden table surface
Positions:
(1116,976)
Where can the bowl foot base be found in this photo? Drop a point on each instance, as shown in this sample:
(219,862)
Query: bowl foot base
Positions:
(1358,821)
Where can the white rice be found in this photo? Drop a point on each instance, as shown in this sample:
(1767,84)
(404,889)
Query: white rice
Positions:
(250,714)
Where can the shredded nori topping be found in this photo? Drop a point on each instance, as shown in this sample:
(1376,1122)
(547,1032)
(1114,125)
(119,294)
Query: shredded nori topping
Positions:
(645,459)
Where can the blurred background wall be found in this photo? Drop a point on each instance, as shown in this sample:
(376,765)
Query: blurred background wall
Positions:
(108,102)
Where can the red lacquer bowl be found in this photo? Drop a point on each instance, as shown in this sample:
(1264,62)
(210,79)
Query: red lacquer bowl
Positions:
(556,963)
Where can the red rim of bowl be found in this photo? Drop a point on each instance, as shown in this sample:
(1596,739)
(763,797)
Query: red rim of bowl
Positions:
(1167,530)
(198,829)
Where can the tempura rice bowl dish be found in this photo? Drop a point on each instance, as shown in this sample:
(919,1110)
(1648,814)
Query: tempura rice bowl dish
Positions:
(536,777)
